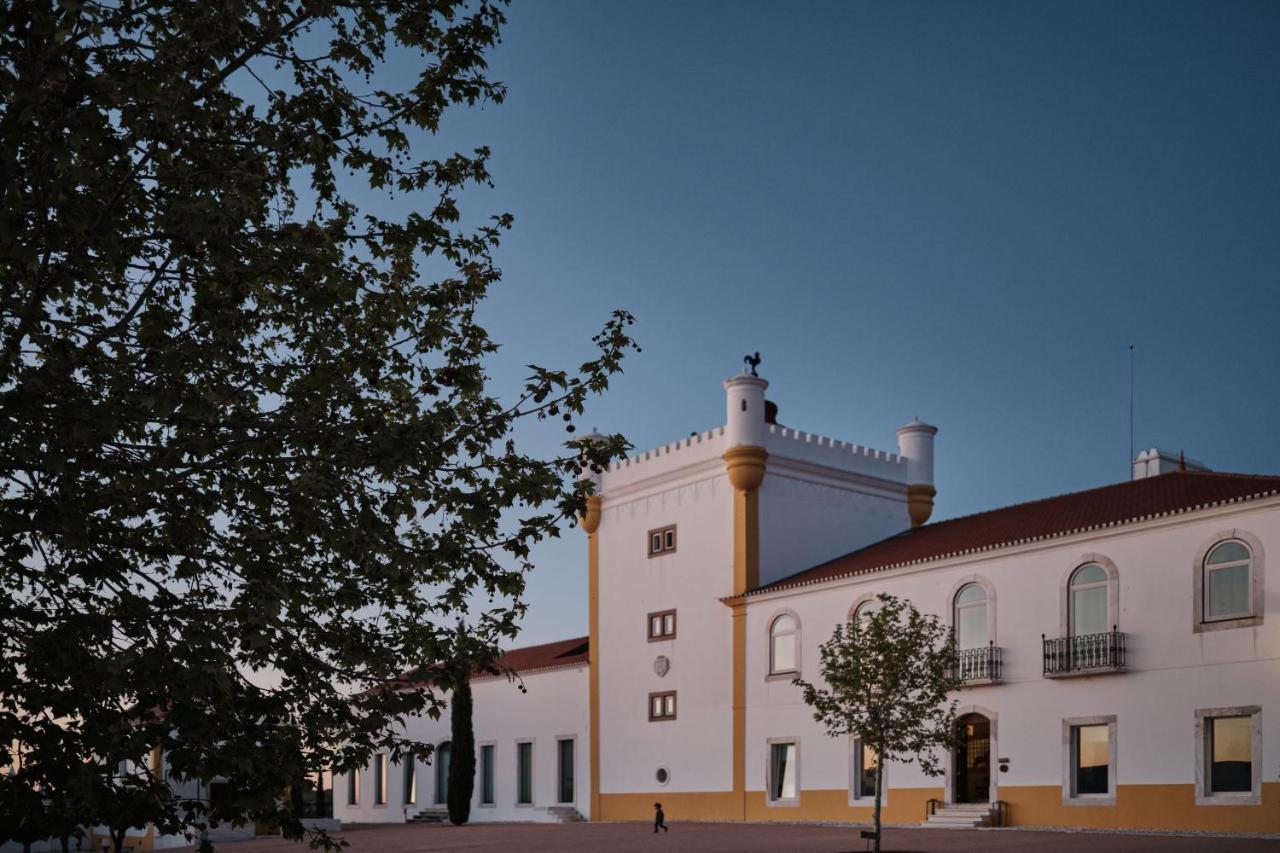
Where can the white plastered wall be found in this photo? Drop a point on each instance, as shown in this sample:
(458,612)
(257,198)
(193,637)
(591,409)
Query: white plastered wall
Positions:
(692,492)
(553,706)
(1172,670)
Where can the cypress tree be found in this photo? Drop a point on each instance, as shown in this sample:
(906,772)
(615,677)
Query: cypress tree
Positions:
(462,757)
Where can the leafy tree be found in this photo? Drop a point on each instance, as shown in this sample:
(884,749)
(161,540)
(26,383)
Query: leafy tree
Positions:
(250,455)
(887,678)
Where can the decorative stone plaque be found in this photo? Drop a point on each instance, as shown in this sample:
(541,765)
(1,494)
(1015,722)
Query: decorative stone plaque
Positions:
(661,665)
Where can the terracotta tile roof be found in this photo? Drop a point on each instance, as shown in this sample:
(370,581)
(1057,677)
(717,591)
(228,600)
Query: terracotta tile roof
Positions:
(1108,506)
(546,656)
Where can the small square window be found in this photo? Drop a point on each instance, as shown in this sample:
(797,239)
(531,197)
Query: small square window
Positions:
(662,706)
(662,625)
(662,541)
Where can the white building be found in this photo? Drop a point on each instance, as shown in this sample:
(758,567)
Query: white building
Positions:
(1122,669)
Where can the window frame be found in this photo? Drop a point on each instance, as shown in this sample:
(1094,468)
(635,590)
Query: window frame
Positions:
(380,780)
(1257,579)
(1069,752)
(781,802)
(661,615)
(492,766)
(353,787)
(856,797)
(561,739)
(990,590)
(663,695)
(533,778)
(1113,592)
(772,673)
(1204,794)
(410,793)
(868,600)
(667,541)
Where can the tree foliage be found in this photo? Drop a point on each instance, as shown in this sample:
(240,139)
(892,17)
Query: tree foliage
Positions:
(887,677)
(250,456)
(462,742)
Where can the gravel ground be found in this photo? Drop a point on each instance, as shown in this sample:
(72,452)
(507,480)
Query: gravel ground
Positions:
(746,838)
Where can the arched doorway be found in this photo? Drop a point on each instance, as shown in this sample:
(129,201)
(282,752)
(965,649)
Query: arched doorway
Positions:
(972,764)
(442,772)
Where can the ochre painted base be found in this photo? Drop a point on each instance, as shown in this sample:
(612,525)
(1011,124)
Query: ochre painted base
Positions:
(1162,807)
(1142,807)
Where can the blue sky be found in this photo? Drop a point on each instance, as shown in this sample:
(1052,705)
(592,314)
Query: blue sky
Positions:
(965,212)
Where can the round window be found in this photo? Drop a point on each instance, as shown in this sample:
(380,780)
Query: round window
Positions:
(663,776)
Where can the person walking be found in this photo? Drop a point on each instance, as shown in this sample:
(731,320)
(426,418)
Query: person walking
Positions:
(659,819)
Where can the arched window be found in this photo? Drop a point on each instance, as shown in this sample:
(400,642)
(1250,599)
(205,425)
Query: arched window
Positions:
(1227,581)
(863,611)
(783,638)
(1087,601)
(971,617)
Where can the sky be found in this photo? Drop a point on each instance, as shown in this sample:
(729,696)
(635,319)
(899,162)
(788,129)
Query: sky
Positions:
(962,211)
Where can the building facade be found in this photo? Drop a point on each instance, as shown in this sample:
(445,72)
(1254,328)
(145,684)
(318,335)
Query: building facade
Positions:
(1120,647)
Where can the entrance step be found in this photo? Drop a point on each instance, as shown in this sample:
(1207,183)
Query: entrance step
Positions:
(566,814)
(961,816)
(431,814)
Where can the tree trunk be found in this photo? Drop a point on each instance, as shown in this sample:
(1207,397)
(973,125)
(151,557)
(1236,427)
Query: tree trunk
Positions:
(879,791)
(462,746)
(117,839)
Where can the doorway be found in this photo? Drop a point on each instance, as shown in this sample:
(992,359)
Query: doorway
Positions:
(973,759)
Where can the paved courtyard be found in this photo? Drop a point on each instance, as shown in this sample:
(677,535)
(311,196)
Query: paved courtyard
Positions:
(744,838)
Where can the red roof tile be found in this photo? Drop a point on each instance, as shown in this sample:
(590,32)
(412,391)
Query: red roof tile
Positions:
(1108,506)
(546,656)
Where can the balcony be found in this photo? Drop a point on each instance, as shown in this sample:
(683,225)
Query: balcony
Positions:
(1087,654)
(974,667)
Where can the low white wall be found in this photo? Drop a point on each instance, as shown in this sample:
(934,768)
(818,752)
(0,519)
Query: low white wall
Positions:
(553,707)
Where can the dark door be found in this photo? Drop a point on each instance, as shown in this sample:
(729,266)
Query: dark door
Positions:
(973,759)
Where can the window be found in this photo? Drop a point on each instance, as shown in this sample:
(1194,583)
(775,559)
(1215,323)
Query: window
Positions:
(1090,761)
(662,541)
(380,779)
(524,773)
(444,754)
(662,706)
(486,775)
(564,749)
(971,617)
(1226,582)
(1230,744)
(662,625)
(863,611)
(783,772)
(1087,601)
(353,787)
(783,645)
(410,780)
(865,762)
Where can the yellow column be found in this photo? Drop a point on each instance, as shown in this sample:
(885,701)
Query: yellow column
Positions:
(591,524)
(746,466)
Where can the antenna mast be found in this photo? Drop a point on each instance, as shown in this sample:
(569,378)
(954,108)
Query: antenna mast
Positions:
(1131,406)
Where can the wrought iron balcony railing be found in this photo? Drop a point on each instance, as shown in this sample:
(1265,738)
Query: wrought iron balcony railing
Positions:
(978,666)
(1086,654)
